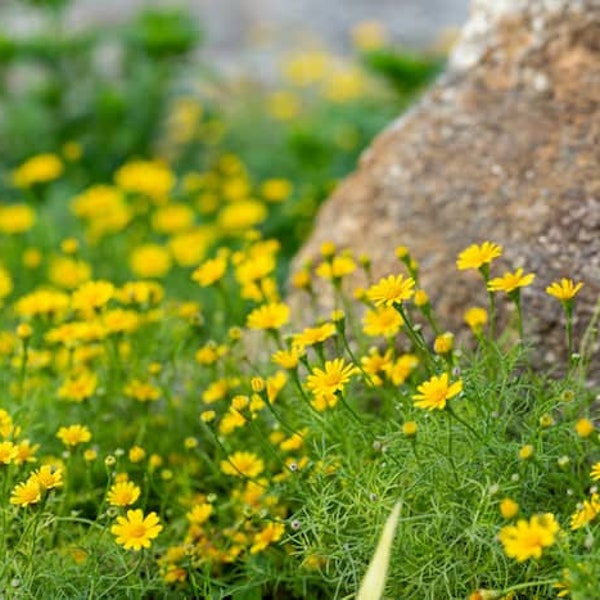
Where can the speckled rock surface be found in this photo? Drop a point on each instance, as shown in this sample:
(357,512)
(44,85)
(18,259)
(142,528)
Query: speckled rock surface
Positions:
(505,147)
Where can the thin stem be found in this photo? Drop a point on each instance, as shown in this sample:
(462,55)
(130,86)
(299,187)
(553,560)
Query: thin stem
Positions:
(519,317)
(116,582)
(492,299)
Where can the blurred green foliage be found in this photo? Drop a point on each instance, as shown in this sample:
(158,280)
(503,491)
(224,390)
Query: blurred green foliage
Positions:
(142,90)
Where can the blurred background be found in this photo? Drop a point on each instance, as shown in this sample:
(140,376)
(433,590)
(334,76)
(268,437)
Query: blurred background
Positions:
(256,32)
(257,108)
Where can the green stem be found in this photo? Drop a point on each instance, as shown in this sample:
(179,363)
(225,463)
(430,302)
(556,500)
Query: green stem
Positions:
(519,317)
(492,299)
(116,582)
(569,332)
(528,584)
(415,337)
(464,424)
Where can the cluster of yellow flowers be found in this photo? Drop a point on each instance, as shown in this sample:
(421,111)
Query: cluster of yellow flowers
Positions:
(126,349)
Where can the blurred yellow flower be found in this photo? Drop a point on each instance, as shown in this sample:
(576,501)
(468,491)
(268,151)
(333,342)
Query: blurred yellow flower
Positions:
(153,179)
(243,464)
(210,271)
(173,218)
(16,218)
(244,214)
(41,168)
(150,261)
(73,435)
(67,272)
(271,316)
(369,35)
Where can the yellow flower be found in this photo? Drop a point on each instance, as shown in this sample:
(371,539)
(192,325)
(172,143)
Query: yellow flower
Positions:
(6,423)
(74,435)
(92,295)
(8,452)
(26,493)
(190,247)
(399,371)
(584,428)
(72,150)
(120,320)
(123,493)
(231,420)
(215,391)
(526,452)
(41,168)
(474,257)
(410,428)
(104,208)
(564,290)
(385,321)
(136,454)
(273,532)
(595,472)
(270,316)
(443,343)
(79,386)
(586,512)
(173,218)
(301,279)
(150,261)
(508,508)
(375,363)
(135,531)
(324,383)
(6,283)
(42,302)
(288,359)
(142,391)
(510,282)
(369,35)
(243,464)
(150,178)
(241,215)
(313,335)
(306,68)
(344,84)
(48,477)
(527,539)
(16,218)
(200,513)
(391,290)
(276,190)
(284,105)
(435,392)
(24,331)
(476,317)
(68,272)
(140,292)
(25,452)
(421,298)
(339,267)
(210,271)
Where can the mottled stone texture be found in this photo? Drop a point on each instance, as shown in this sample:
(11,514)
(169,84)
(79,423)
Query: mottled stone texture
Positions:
(505,147)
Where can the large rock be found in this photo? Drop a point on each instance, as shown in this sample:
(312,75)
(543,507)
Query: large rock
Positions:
(505,147)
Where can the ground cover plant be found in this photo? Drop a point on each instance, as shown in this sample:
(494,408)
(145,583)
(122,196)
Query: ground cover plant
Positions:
(168,431)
